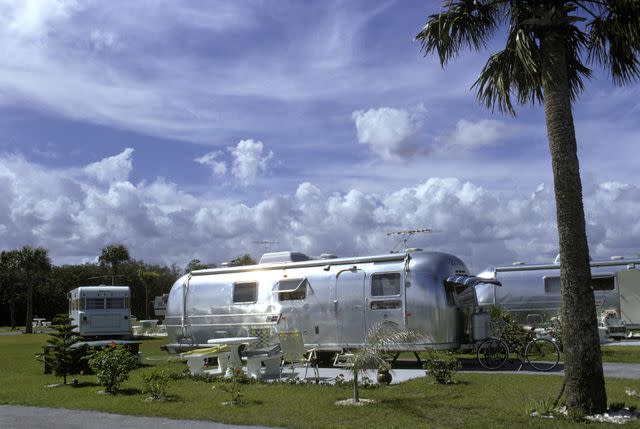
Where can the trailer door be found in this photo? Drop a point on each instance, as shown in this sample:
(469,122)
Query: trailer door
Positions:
(350,306)
(386,300)
(629,287)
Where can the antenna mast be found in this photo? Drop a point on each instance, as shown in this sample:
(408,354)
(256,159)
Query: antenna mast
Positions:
(406,234)
(265,244)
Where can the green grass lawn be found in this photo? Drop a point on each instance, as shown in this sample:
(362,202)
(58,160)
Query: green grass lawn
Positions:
(477,400)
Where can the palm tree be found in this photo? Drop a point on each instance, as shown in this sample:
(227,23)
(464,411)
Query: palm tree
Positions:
(9,280)
(382,337)
(34,265)
(548,44)
(114,255)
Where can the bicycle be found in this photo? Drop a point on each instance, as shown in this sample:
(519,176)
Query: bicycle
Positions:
(543,354)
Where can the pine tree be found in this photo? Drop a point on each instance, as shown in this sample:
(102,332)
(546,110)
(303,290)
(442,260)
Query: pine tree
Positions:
(61,357)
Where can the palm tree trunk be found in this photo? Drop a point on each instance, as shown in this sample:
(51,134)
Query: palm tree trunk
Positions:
(12,311)
(29,321)
(356,395)
(585,390)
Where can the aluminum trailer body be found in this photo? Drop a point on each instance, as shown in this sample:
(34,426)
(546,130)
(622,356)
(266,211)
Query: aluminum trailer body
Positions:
(333,302)
(532,292)
(101,311)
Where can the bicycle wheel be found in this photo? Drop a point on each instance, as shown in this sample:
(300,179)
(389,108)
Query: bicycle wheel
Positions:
(492,353)
(542,354)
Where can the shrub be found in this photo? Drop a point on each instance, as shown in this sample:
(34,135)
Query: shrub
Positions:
(234,386)
(441,366)
(156,383)
(112,366)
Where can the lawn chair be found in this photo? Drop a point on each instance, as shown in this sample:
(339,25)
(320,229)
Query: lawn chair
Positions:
(265,350)
(293,352)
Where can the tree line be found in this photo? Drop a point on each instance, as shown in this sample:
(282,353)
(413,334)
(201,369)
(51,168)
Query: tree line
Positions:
(31,286)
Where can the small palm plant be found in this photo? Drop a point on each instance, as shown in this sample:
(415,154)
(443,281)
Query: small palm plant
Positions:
(381,337)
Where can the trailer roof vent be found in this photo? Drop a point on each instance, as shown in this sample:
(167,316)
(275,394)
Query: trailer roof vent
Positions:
(273,257)
(518,263)
(617,258)
(328,256)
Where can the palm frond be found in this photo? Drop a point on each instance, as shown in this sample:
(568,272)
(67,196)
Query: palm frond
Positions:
(614,39)
(465,22)
(382,337)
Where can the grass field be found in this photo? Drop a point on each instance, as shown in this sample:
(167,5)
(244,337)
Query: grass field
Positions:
(477,400)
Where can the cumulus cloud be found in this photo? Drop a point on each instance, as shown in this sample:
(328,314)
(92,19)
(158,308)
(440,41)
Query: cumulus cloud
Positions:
(470,134)
(112,169)
(218,167)
(391,133)
(74,216)
(249,160)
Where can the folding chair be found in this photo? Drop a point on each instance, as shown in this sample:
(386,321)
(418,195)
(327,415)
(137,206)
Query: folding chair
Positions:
(293,352)
(265,350)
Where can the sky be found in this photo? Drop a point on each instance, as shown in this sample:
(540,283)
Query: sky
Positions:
(197,130)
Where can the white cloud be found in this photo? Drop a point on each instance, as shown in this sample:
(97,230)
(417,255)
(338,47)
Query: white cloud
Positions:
(74,216)
(112,169)
(471,134)
(391,133)
(218,168)
(249,160)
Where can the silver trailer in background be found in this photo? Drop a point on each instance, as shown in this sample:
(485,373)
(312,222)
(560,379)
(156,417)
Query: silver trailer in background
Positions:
(532,292)
(334,302)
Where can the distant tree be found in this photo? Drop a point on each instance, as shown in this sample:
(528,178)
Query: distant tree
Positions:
(9,281)
(147,278)
(245,259)
(114,255)
(195,264)
(34,266)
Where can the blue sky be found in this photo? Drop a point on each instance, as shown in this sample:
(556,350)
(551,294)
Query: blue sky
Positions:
(195,129)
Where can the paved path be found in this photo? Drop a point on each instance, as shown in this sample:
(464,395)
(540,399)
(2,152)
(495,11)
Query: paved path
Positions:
(18,417)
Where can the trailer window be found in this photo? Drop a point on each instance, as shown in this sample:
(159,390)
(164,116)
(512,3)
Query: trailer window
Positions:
(602,283)
(385,284)
(291,289)
(387,304)
(246,292)
(551,284)
(115,303)
(94,303)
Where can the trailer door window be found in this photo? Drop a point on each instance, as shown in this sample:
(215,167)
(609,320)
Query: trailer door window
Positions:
(387,284)
(291,289)
(246,292)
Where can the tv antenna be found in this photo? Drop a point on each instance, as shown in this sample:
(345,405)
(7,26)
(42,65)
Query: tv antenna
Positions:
(265,244)
(406,234)
(112,276)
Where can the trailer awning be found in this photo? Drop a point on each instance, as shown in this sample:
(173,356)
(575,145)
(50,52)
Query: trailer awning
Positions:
(470,281)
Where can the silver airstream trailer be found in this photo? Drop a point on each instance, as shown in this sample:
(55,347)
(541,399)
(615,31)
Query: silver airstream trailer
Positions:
(532,292)
(332,301)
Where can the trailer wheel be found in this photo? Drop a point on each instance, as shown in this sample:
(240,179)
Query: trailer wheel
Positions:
(492,353)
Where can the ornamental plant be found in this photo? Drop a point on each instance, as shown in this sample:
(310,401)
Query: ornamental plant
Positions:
(60,355)
(441,366)
(112,366)
(156,383)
